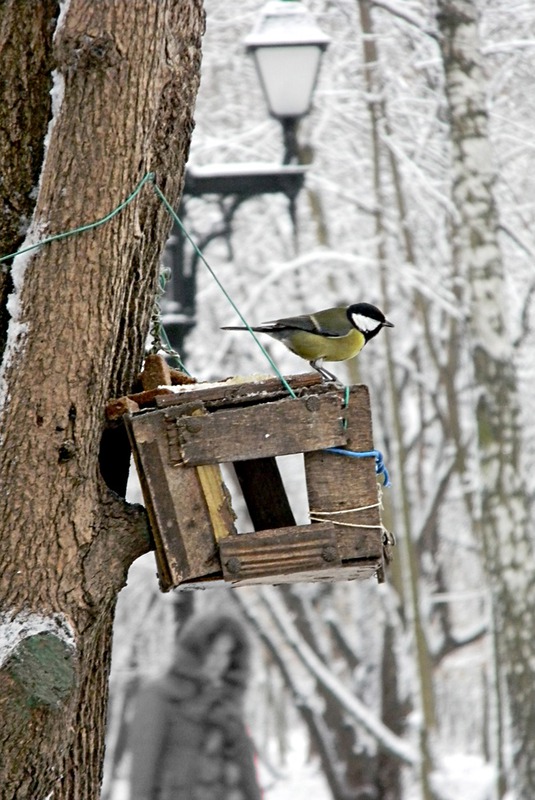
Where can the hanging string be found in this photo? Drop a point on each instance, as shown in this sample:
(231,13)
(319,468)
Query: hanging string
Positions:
(326,516)
(345,404)
(151,177)
(148,177)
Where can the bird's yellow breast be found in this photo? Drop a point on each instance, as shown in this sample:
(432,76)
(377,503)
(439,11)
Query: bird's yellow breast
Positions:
(333,348)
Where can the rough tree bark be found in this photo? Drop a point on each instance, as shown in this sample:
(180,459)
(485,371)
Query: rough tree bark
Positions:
(126,77)
(25,83)
(504,513)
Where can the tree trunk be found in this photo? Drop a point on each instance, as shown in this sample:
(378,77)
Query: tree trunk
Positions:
(507,538)
(125,85)
(25,83)
(408,556)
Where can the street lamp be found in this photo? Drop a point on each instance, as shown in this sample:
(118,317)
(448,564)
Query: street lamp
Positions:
(287,45)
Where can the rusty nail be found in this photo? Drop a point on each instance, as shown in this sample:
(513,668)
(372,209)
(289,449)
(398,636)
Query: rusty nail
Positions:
(233,564)
(193,425)
(329,552)
(312,403)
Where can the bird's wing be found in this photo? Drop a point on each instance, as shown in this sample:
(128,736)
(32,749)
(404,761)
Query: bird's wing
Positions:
(312,323)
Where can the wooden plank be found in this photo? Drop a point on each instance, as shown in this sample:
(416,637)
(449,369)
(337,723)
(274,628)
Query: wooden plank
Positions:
(343,490)
(215,492)
(217,499)
(362,570)
(264,493)
(296,554)
(262,431)
(356,544)
(230,395)
(181,521)
(232,391)
(194,521)
(171,565)
(283,550)
(359,419)
(155,372)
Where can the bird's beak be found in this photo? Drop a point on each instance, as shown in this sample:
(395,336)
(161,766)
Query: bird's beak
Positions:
(388,324)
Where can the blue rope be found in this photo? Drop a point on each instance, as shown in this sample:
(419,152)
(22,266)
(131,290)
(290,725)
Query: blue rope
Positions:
(380,468)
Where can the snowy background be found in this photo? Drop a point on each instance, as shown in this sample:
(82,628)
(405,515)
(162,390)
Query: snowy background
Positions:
(334,257)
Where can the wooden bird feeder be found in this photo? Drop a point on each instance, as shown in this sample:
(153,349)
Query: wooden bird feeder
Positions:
(178,449)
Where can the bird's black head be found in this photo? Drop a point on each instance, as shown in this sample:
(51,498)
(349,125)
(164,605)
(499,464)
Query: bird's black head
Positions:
(367,319)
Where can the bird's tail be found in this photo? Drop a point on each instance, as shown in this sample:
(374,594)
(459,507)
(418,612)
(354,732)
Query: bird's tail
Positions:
(237,328)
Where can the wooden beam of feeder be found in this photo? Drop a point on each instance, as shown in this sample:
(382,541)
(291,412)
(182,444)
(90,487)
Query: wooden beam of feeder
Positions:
(343,490)
(298,553)
(262,431)
(184,520)
(282,550)
(234,392)
(264,493)
(217,500)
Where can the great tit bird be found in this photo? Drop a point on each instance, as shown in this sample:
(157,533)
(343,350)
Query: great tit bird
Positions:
(334,334)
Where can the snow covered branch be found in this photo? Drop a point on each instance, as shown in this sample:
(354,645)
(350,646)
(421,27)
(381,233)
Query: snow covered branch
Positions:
(352,704)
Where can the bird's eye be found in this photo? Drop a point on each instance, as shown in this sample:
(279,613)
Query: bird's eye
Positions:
(363,323)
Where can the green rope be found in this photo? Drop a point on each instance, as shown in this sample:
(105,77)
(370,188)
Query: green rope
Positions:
(151,177)
(178,221)
(148,177)
(345,403)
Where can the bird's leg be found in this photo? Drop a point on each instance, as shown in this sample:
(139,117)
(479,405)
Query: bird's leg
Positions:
(325,374)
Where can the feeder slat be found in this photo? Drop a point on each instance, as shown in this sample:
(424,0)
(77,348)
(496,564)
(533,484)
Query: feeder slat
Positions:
(262,431)
(295,554)
(232,392)
(264,493)
(346,488)
(279,551)
(363,571)
(179,511)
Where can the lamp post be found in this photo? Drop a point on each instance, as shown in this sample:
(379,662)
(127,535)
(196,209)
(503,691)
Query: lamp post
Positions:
(287,46)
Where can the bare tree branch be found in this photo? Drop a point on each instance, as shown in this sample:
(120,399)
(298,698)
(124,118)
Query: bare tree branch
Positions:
(352,705)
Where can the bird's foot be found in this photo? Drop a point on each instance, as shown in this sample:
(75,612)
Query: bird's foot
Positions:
(327,376)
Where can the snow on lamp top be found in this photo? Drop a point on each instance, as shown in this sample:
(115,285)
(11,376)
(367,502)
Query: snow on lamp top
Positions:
(287,44)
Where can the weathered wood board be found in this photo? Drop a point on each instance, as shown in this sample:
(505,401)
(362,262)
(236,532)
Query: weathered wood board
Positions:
(262,431)
(303,553)
(185,520)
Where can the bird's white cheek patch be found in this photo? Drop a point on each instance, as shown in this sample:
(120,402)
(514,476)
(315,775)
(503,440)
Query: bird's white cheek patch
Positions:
(365,324)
